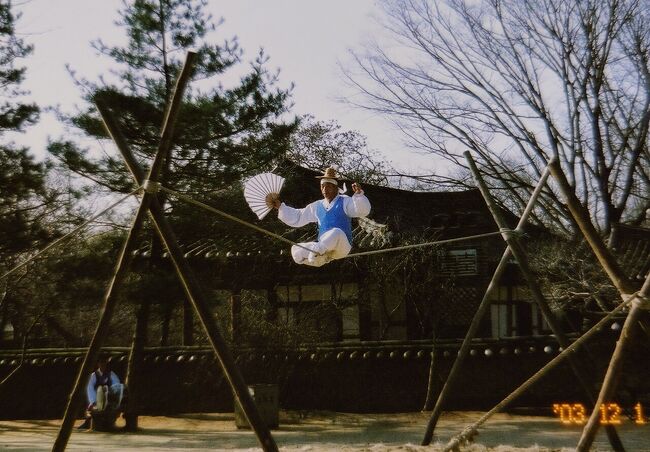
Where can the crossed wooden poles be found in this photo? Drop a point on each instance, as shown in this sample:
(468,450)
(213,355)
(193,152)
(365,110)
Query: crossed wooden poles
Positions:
(151,206)
(638,301)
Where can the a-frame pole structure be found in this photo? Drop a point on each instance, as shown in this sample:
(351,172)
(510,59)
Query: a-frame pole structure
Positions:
(626,289)
(521,257)
(478,316)
(150,205)
(196,296)
(121,270)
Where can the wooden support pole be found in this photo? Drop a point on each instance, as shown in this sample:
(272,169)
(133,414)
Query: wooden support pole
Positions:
(133,378)
(478,316)
(610,382)
(522,260)
(615,273)
(122,267)
(470,430)
(195,295)
(581,216)
(76,399)
(171,114)
(188,323)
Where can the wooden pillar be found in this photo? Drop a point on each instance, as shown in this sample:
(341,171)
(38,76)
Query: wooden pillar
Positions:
(133,378)
(188,323)
(365,313)
(195,294)
(165,320)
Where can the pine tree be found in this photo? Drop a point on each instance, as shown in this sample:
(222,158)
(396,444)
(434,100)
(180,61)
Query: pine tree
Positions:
(221,134)
(21,177)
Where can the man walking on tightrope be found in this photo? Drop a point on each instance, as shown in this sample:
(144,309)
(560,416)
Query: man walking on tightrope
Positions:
(333,214)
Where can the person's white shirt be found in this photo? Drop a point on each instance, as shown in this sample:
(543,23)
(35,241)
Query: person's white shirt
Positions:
(354,206)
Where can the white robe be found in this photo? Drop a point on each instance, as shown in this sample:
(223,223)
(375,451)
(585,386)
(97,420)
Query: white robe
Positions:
(333,244)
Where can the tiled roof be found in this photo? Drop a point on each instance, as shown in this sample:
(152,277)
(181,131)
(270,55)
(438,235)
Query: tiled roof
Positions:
(632,245)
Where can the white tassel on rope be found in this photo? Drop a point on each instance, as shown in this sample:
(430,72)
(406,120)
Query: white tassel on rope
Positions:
(261,191)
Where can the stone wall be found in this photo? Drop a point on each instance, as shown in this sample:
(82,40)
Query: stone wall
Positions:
(362,377)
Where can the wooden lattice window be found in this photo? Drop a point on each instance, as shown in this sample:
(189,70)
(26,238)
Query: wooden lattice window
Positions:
(460,262)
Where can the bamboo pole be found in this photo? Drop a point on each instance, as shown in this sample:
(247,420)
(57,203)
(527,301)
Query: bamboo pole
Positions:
(77,395)
(478,316)
(195,295)
(122,267)
(581,216)
(610,382)
(522,260)
(620,281)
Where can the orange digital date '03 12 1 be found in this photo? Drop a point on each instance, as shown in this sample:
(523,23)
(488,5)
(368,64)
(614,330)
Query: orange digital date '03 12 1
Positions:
(610,413)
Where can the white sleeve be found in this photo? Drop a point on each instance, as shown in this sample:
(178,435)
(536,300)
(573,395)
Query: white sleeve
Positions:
(91,393)
(297,217)
(356,206)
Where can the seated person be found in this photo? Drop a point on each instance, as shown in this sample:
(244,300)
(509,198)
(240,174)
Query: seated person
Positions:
(105,393)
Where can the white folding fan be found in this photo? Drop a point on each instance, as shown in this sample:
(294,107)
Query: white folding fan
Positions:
(260,190)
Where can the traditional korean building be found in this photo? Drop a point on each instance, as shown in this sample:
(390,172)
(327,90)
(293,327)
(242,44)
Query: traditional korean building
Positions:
(401,295)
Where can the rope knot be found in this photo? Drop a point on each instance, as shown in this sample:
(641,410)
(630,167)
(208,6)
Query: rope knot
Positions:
(507,232)
(151,187)
(642,301)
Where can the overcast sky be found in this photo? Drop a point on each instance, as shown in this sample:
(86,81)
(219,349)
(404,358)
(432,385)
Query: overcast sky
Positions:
(305,39)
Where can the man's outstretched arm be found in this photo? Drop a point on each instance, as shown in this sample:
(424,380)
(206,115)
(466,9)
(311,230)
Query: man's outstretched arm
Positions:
(297,217)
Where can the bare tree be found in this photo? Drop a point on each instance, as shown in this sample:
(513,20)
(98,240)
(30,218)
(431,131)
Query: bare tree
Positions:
(519,82)
(319,144)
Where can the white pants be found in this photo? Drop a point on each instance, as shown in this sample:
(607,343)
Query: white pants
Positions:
(109,398)
(332,245)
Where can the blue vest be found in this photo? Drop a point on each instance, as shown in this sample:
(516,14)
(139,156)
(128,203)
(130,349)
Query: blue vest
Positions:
(333,218)
(102,380)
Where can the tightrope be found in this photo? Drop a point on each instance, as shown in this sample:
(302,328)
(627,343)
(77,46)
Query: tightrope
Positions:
(419,245)
(231,217)
(69,234)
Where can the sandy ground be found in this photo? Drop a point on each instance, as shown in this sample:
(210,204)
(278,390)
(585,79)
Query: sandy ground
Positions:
(321,431)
